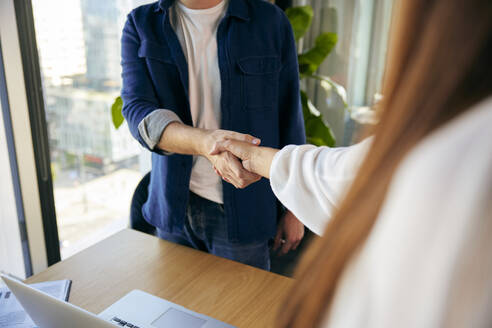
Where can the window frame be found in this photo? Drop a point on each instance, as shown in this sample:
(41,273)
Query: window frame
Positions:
(39,130)
(24,90)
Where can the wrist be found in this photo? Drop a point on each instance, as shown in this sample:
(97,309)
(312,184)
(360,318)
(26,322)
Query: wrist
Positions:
(255,159)
(205,143)
(265,158)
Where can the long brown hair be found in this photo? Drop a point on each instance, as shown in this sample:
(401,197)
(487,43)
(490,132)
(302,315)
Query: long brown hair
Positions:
(439,64)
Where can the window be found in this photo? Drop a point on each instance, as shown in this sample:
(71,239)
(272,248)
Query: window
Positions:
(357,62)
(95,168)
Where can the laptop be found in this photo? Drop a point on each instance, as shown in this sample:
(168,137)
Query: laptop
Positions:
(137,309)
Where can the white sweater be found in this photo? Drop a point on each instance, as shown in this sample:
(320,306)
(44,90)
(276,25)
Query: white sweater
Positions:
(428,260)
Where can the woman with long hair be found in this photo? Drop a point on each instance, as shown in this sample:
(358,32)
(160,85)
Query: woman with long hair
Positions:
(409,243)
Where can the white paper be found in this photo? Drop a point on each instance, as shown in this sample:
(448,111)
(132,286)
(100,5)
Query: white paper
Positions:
(12,315)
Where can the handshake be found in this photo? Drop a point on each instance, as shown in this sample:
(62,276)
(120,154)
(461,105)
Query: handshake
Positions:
(239,160)
(233,156)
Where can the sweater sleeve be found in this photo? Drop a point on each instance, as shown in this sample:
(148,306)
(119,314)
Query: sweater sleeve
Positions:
(154,124)
(310,181)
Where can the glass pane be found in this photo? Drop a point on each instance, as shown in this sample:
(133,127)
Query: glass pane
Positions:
(335,16)
(356,62)
(95,167)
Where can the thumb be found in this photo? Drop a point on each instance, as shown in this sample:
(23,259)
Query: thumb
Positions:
(218,148)
(248,165)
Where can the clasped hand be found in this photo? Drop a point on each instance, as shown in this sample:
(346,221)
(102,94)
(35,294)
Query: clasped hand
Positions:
(229,149)
(227,165)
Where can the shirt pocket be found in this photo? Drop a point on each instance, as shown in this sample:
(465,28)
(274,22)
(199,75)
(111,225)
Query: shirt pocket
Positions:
(259,82)
(153,51)
(162,71)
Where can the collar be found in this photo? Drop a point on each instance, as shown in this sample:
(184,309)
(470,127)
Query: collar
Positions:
(237,8)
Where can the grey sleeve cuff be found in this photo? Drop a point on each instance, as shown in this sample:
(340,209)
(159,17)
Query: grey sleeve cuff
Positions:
(152,126)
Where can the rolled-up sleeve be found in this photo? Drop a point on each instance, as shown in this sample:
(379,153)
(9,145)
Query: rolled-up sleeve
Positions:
(310,181)
(154,124)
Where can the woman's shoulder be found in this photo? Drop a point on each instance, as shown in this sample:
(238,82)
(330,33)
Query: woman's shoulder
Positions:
(462,146)
(426,257)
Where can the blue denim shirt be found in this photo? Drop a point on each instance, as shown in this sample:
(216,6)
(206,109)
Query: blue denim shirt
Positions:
(260,96)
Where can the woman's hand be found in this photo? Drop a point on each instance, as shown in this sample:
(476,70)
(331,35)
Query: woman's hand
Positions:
(215,137)
(227,165)
(183,139)
(231,170)
(254,159)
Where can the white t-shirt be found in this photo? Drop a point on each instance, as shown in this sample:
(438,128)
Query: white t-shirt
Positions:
(427,261)
(196,30)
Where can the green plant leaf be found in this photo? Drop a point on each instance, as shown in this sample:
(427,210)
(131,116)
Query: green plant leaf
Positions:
(310,60)
(116,115)
(300,18)
(316,141)
(317,132)
(331,86)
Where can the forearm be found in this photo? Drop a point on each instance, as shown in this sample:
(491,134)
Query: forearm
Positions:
(261,161)
(183,139)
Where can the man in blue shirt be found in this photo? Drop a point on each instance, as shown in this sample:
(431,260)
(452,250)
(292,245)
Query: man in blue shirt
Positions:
(196,72)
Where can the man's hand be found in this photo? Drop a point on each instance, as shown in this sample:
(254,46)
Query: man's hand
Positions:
(255,159)
(219,136)
(183,139)
(290,232)
(226,164)
(231,170)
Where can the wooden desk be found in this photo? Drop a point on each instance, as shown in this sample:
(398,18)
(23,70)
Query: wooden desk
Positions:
(238,294)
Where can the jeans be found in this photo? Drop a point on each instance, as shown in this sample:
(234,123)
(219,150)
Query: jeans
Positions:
(205,229)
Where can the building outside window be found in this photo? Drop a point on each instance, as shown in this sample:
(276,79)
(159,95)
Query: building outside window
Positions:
(95,168)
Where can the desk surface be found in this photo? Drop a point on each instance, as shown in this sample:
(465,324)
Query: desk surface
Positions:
(238,294)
